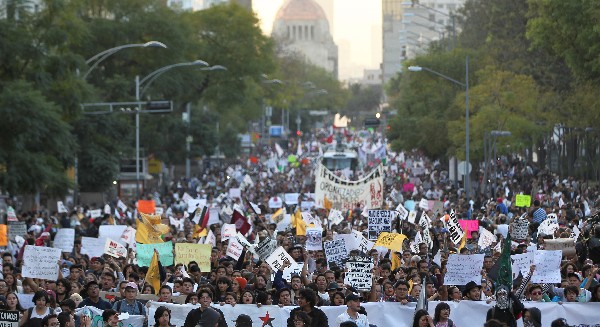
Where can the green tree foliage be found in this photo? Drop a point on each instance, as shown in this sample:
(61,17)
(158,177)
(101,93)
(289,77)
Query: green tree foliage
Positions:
(363,98)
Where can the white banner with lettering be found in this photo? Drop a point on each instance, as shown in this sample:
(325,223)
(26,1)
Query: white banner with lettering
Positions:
(345,194)
(463,313)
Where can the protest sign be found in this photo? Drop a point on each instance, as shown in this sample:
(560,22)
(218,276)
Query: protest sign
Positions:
(265,248)
(566,245)
(16,228)
(93,246)
(26,300)
(335,217)
(424,204)
(111,231)
(523,200)
(227,231)
(310,219)
(359,273)
(307,206)
(9,318)
(335,251)
(462,269)
(521,263)
(454,229)
(438,209)
(295,269)
(363,245)
(41,262)
(159,211)
(519,229)
(412,217)
(235,193)
(350,241)
(548,227)
(194,204)
(291,198)
(128,236)
(547,267)
(345,194)
(402,212)
(469,226)
(96,213)
(234,248)
(486,238)
(279,259)
(61,208)
(64,239)
(186,252)
(115,249)
(146,251)
(392,241)
(551,218)
(379,221)
(122,205)
(275,202)
(314,240)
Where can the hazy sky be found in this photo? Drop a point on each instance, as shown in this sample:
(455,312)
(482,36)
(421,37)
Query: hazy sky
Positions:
(356,27)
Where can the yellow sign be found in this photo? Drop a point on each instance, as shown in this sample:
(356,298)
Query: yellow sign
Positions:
(392,241)
(186,252)
(523,200)
(154,166)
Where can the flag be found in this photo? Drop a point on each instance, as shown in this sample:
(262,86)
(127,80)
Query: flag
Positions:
(296,217)
(149,229)
(463,242)
(153,274)
(327,204)
(505,266)
(211,238)
(279,212)
(300,228)
(201,217)
(241,223)
(199,232)
(396,261)
(279,150)
(392,241)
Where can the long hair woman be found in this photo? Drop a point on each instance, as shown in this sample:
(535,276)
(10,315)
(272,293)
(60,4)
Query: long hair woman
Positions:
(162,317)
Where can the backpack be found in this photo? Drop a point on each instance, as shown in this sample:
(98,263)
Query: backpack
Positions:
(139,304)
(34,322)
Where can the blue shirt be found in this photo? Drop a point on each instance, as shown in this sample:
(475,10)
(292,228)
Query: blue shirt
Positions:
(539,215)
(133,308)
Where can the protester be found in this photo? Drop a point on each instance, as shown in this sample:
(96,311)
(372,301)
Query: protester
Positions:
(351,314)
(422,319)
(306,302)
(33,316)
(162,317)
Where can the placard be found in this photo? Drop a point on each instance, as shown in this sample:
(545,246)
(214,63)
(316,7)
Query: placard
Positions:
(335,251)
(521,263)
(335,217)
(291,198)
(523,200)
(547,266)
(93,246)
(186,252)
(379,221)
(424,204)
(227,231)
(279,258)
(469,226)
(194,204)
(314,240)
(548,227)
(392,241)
(16,228)
(235,193)
(454,229)
(363,245)
(519,229)
(234,248)
(294,270)
(462,269)
(111,231)
(146,251)
(115,249)
(265,248)
(359,272)
(566,245)
(64,239)
(96,213)
(41,262)
(61,208)
(486,238)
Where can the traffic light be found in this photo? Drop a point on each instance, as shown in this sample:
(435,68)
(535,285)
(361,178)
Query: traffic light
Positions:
(159,106)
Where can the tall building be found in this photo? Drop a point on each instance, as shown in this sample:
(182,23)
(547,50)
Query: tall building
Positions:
(301,26)
(408,28)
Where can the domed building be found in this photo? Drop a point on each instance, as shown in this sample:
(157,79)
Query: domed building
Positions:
(302,26)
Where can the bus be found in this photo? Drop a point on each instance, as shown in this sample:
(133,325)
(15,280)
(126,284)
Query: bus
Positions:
(340,158)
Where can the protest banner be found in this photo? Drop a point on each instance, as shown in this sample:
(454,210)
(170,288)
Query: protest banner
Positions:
(462,269)
(279,259)
(9,318)
(392,241)
(16,228)
(146,251)
(125,319)
(93,246)
(359,272)
(345,194)
(314,240)
(115,249)
(186,252)
(227,231)
(213,216)
(402,212)
(521,263)
(64,239)
(519,229)
(111,231)
(41,262)
(566,245)
(456,232)
(547,267)
(523,200)
(275,202)
(335,217)
(234,248)
(379,221)
(469,226)
(335,251)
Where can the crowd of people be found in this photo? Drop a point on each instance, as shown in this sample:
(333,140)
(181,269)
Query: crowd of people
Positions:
(401,276)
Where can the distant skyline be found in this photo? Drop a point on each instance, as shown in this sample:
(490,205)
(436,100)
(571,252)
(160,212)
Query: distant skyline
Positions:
(356,31)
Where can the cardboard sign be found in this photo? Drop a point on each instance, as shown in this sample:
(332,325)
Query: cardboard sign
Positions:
(547,267)
(379,221)
(234,248)
(402,212)
(114,249)
(279,258)
(566,245)
(227,231)
(314,240)
(548,227)
(16,228)
(523,200)
(186,252)
(462,269)
(335,251)
(454,229)
(335,217)
(519,229)
(469,226)
(93,246)
(41,262)
(64,239)
(111,231)
(359,273)
(146,251)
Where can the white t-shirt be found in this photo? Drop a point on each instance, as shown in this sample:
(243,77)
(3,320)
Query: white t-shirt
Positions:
(361,320)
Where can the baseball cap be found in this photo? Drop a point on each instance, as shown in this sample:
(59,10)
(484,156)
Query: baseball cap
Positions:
(131,285)
(97,259)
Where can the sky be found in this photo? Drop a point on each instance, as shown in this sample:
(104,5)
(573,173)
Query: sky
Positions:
(356,31)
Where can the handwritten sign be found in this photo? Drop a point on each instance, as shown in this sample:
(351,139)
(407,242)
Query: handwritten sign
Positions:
(566,245)
(547,266)
(93,246)
(392,241)
(64,239)
(186,252)
(456,232)
(379,221)
(279,258)
(228,231)
(486,238)
(463,269)
(335,217)
(265,248)
(519,229)
(16,228)
(146,251)
(363,245)
(335,251)
(41,262)
(469,226)
(523,200)
(294,270)
(402,212)
(314,238)
(234,248)
(359,272)
(548,227)
(115,249)
(521,263)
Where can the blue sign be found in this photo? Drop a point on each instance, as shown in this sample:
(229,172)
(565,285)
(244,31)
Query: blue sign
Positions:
(276,131)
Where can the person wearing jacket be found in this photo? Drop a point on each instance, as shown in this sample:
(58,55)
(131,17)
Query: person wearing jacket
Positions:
(306,302)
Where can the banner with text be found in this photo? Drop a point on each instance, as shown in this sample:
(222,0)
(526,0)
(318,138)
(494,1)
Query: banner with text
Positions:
(345,194)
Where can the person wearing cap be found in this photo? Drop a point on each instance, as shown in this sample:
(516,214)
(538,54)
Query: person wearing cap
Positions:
(93,297)
(96,266)
(352,313)
(332,289)
(472,291)
(306,302)
(129,304)
(243,320)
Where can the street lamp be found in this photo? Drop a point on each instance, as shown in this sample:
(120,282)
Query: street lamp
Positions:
(147,81)
(466,86)
(98,58)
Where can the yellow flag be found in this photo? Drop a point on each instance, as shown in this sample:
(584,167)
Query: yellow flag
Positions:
(153,274)
(396,262)
(275,216)
(327,204)
(392,241)
(296,217)
(149,229)
(463,242)
(199,233)
(300,228)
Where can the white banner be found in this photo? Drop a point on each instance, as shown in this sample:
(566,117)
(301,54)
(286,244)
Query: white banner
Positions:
(96,315)
(41,262)
(463,269)
(463,313)
(64,239)
(345,194)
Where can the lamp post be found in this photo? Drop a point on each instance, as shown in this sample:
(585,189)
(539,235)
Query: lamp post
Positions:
(466,86)
(146,81)
(98,58)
